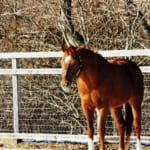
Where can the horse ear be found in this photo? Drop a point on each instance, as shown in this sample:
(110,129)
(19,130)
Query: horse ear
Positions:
(63,47)
(79,47)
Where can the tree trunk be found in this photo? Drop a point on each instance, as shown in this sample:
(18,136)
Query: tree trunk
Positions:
(70,35)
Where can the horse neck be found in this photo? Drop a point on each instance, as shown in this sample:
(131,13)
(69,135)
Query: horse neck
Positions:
(92,63)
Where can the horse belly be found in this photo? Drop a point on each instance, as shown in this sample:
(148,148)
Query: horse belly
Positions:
(119,97)
(100,98)
(112,96)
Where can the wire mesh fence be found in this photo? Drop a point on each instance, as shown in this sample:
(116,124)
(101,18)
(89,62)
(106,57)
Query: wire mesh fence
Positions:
(44,108)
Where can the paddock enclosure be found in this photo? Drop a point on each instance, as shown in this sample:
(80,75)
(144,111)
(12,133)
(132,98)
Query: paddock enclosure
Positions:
(34,107)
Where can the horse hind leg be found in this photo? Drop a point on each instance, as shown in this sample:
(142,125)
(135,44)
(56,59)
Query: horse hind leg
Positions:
(137,124)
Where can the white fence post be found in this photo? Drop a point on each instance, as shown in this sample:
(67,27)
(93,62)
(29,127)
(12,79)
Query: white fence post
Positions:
(15,97)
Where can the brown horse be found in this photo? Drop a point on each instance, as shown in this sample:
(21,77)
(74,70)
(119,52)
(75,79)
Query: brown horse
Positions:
(104,85)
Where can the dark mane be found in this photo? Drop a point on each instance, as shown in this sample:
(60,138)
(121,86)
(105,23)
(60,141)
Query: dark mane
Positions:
(86,52)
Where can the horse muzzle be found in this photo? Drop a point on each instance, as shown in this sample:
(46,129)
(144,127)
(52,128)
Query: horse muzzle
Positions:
(65,88)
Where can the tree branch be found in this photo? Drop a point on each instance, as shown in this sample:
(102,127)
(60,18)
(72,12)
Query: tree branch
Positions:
(141,17)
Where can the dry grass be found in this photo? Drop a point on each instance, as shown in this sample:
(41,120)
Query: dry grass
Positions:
(12,144)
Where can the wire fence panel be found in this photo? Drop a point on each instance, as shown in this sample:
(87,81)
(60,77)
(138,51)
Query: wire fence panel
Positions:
(51,111)
(44,108)
(6,103)
(145,106)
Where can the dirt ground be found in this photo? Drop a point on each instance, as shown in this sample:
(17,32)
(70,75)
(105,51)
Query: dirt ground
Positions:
(13,144)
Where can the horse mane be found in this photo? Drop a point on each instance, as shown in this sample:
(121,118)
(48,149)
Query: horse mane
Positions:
(83,51)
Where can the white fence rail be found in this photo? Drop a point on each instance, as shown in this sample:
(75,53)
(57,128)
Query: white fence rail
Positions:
(20,71)
(14,56)
(113,53)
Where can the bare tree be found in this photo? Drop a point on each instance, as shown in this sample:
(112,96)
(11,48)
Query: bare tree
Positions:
(139,14)
(70,35)
(41,25)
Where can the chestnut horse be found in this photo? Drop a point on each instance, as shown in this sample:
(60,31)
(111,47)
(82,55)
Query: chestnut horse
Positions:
(104,85)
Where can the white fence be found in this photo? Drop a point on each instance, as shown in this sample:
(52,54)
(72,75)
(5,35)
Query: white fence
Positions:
(15,72)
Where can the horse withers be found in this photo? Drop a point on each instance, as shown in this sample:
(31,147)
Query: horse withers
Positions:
(104,85)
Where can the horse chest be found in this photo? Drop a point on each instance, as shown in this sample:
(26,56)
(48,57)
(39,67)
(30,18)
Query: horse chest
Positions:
(97,99)
(93,99)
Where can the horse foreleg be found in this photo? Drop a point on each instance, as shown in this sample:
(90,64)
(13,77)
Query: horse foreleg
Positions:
(89,115)
(118,117)
(101,129)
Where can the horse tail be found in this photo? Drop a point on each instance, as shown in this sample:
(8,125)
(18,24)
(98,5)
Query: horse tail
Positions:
(128,120)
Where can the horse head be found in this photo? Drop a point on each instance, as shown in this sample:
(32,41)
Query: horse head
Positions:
(71,66)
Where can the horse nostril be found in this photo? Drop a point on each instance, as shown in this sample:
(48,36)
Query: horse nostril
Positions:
(65,88)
